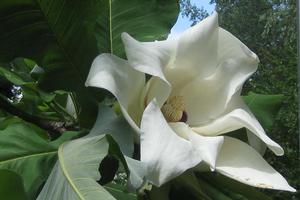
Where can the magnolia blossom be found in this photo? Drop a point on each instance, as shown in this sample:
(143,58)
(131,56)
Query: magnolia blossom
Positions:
(183,112)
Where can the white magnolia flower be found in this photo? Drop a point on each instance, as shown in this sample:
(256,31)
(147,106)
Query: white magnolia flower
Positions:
(192,99)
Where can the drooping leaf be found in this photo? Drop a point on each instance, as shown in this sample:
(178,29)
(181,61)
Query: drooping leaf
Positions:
(264,107)
(11,186)
(27,154)
(64,37)
(76,171)
(138,171)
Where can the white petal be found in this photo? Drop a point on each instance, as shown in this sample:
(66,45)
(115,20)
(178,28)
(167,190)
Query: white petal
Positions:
(196,52)
(115,75)
(239,161)
(156,88)
(166,154)
(149,57)
(237,119)
(230,47)
(256,143)
(207,147)
(207,98)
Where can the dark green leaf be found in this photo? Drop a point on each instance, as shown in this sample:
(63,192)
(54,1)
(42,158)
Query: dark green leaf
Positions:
(264,107)
(26,153)
(144,20)
(12,77)
(11,186)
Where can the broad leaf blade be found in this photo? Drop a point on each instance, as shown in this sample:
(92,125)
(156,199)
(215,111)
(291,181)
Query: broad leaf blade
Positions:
(264,107)
(144,20)
(26,153)
(74,175)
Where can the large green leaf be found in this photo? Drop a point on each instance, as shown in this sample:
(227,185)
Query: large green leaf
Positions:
(29,155)
(264,107)
(64,36)
(143,19)
(76,172)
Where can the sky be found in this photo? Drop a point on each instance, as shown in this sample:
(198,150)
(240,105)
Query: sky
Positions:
(183,22)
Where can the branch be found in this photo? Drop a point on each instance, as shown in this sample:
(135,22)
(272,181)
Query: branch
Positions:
(54,128)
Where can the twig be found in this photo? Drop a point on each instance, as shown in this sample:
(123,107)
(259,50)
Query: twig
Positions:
(54,128)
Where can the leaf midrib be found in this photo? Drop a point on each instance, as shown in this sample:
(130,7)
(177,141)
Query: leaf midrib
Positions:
(65,171)
(27,156)
(62,164)
(58,42)
(110,27)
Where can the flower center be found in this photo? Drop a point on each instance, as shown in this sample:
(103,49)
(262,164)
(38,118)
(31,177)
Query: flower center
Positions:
(173,109)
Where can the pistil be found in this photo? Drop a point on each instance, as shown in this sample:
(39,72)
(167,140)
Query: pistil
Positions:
(173,109)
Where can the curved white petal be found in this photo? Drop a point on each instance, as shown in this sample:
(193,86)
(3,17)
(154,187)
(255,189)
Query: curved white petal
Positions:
(256,143)
(149,57)
(115,75)
(230,47)
(207,98)
(239,161)
(166,154)
(207,147)
(155,88)
(196,53)
(237,119)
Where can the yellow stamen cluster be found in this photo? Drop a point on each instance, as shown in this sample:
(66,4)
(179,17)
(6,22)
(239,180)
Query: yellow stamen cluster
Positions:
(173,108)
